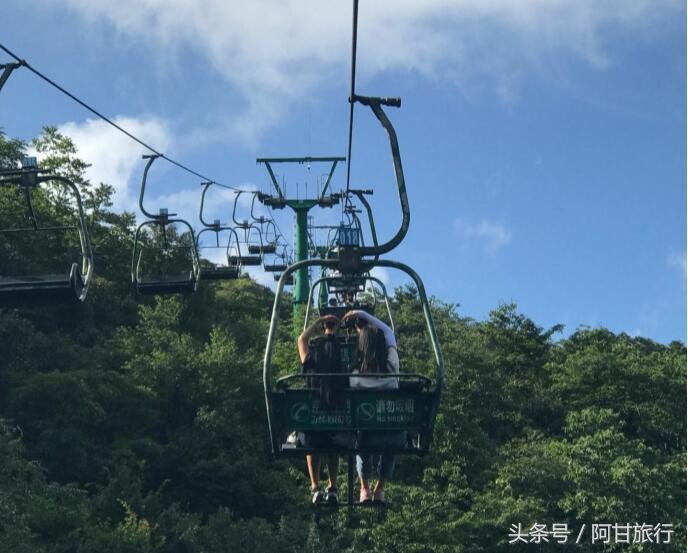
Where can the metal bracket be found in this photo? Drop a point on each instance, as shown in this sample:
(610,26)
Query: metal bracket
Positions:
(7,71)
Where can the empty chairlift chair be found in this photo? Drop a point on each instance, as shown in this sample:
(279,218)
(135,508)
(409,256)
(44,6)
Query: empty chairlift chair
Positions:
(40,287)
(162,283)
(268,232)
(249,249)
(279,263)
(210,269)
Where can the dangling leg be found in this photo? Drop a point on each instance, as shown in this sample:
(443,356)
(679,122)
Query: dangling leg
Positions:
(332,471)
(364,466)
(313,464)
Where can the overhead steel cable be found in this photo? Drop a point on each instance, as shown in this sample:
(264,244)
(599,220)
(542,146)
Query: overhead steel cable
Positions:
(98,114)
(352,93)
(95,112)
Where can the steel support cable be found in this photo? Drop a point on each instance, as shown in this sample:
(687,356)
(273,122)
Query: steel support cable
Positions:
(24,63)
(95,112)
(352,94)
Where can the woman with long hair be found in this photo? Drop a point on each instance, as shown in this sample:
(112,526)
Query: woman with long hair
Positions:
(376,354)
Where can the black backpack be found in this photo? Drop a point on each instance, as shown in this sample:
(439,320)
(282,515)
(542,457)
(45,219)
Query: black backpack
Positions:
(324,356)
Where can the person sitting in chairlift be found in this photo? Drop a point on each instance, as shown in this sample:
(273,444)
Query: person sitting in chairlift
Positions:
(377,353)
(322,355)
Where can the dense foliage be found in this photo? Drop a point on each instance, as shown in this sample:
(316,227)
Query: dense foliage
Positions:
(139,426)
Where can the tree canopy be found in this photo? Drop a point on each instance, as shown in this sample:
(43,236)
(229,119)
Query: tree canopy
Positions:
(139,426)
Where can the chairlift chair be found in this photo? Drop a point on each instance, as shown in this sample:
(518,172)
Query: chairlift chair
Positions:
(281,262)
(216,271)
(268,232)
(166,283)
(251,256)
(293,407)
(41,288)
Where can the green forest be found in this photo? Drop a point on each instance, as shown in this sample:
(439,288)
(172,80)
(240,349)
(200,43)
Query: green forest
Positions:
(138,424)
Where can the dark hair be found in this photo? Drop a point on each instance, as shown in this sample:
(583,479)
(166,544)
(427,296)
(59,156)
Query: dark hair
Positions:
(372,350)
(329,323)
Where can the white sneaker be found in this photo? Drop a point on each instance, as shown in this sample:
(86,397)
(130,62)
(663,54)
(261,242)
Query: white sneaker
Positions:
(318,497)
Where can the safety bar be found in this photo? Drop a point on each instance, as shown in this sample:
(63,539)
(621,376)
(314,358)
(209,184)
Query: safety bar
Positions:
(361,196)
(332,277)
(403,376)
(136,260)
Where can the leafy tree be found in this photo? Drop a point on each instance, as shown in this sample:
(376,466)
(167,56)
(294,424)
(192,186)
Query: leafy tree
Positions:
(139,425)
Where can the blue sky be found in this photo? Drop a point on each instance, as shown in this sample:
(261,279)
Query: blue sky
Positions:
(544,141)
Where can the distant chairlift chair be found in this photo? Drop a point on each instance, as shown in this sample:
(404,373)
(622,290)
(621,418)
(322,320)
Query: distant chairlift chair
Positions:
(251,253)
(161,284)
(208,269)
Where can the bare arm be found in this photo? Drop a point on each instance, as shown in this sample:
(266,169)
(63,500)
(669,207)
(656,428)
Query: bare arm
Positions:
(390,339)
(306,335)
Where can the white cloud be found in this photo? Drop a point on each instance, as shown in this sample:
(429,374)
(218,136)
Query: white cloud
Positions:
(261,276)
(383,275)
(277,51)
(184,203)
(677,260)
(488,236)
(116,159)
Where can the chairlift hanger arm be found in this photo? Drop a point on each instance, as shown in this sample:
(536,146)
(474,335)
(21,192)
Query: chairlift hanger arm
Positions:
(84,236)
(240,224)
(214,225)
(260,219)
(361,196)
(160,216)
(375,105)
(7,71)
